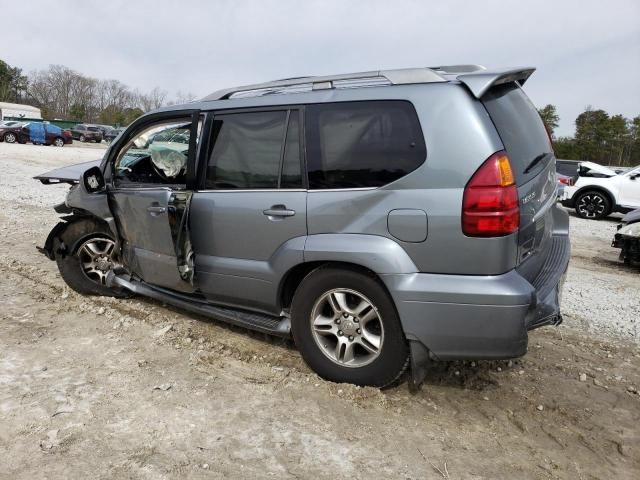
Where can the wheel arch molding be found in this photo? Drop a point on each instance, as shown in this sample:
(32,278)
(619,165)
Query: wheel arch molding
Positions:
(597,188)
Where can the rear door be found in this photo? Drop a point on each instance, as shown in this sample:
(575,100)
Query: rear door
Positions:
(250,216)
(149,198)
(529,148)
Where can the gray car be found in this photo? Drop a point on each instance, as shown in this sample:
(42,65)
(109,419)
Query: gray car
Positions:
(383,219)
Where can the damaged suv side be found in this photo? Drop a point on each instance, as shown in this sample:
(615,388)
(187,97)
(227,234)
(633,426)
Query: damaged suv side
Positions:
(382,219)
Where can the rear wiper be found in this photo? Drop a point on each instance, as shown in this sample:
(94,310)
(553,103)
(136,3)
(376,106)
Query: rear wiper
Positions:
(536,161)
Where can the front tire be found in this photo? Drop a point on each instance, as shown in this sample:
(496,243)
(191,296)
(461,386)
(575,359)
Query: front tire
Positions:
(593,205)
(82,139)
(58,142)
(89,258)
(10,137)
(347,329)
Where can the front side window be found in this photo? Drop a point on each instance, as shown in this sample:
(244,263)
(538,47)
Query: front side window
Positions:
(156,155)
(362,144)
(252,149)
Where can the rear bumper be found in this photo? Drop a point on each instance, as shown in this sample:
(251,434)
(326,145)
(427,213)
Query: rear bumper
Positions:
(460,317)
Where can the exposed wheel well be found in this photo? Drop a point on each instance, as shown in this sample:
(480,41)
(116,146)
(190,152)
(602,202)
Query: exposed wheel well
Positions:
(294,276)
(593,188)
(55,244)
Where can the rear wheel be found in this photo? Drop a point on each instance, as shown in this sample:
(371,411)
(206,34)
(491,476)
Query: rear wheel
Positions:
(89,260)
(82,139)
(593,204)
(10,137)
(347,328)
(58,142)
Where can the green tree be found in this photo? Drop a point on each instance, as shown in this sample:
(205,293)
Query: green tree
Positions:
(565,148)
(550,117)
(617,140)
(592,135)
(13,83)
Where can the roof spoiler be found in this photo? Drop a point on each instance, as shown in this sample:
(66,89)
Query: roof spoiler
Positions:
(480,81)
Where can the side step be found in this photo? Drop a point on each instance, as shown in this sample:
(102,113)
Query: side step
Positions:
(279,326)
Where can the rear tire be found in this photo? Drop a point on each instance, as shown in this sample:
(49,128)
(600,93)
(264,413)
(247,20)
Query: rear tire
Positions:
(10,137)
(346,327)
(593,205)
(82,139)
(90,257)
(58,142)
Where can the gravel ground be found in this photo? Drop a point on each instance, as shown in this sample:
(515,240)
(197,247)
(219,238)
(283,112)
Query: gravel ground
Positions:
(100,388)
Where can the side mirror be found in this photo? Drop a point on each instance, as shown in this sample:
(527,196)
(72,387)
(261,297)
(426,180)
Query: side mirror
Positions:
(93,180)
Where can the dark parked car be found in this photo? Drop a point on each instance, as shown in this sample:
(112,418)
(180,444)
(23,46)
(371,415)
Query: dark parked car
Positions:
(87,133)
(36,133)
(110,133)
(627,238)
(11,133)
(568,168)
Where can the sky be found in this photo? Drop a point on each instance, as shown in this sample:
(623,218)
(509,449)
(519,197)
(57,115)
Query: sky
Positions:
(585,52)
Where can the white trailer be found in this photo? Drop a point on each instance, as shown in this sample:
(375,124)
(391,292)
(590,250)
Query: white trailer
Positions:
(16,110)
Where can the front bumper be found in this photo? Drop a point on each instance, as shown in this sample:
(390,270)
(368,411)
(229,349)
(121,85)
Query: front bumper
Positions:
(462,317)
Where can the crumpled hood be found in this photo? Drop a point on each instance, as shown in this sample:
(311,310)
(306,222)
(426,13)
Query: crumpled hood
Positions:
(69,174)
(594,167)
(632,217)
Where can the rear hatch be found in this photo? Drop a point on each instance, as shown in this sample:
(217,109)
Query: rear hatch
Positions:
(533,162)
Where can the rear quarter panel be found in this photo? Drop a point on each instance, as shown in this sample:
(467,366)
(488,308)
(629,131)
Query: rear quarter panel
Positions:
(459,136)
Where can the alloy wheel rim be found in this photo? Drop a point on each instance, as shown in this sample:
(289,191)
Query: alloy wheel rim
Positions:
(11,138)
(59,142)
(96,259)
(347,327)
(591,206)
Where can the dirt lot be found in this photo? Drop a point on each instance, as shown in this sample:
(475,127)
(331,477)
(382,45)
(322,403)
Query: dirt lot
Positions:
(98,388)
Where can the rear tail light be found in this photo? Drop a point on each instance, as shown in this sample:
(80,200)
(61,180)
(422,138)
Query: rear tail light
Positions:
(566,180)
(490,204)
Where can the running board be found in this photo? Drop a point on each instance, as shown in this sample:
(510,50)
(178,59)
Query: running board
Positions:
(279,326)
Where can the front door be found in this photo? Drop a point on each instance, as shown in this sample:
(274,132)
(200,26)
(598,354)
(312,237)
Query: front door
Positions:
(629,187)
(248,220)
(149,199)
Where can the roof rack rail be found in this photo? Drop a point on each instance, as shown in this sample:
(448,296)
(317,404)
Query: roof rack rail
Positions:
(375,77)
(458,68)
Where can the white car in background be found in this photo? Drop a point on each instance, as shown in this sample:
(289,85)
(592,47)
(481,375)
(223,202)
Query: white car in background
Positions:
(598,191)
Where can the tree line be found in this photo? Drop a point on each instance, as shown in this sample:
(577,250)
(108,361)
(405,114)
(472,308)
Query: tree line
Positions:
(600,137)
(63,93)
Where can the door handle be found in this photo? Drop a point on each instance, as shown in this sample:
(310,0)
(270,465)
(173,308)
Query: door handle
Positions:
(279,211)
(156,210)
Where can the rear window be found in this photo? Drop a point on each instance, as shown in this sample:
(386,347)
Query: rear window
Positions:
(520,128)
(362,144)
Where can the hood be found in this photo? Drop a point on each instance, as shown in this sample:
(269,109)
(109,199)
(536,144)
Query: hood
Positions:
(596,168)
(69,174)
(632,230)
(631,217)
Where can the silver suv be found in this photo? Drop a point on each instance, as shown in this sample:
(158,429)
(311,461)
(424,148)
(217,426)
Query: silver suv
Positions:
(382,219)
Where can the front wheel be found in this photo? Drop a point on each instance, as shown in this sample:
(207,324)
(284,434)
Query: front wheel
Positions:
(10,137)
(593,205)
(82,139)
(89,259)
(58,142)
(347,329)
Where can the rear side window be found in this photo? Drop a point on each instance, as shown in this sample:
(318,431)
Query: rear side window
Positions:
(362,144)
(520,128)
(247,151)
